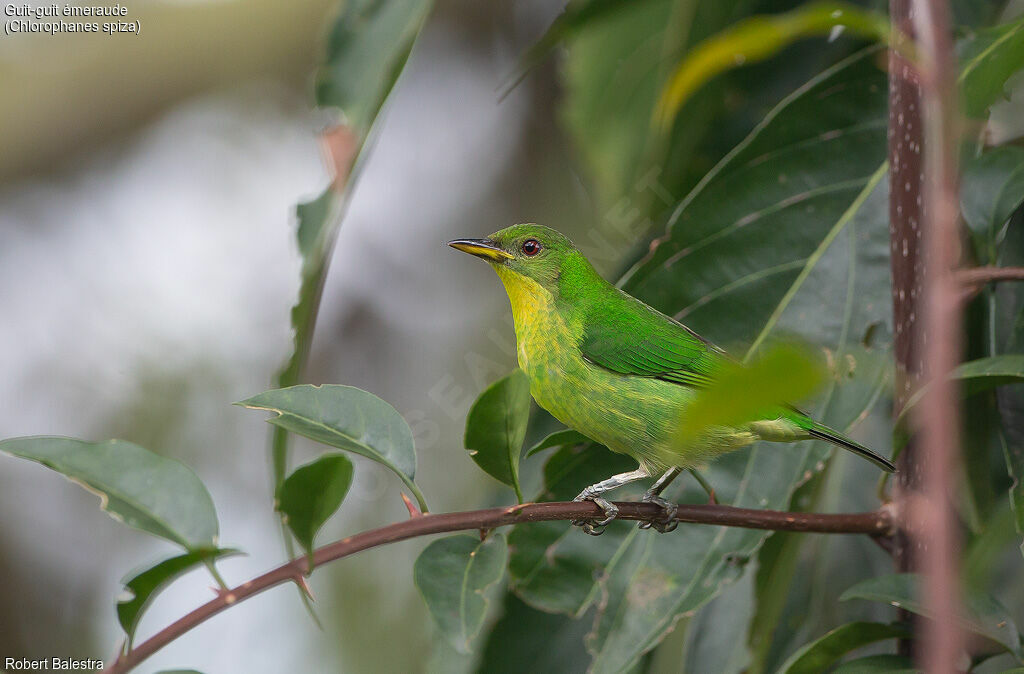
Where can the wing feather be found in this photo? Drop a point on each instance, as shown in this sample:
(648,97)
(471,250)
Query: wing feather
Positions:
(624,335)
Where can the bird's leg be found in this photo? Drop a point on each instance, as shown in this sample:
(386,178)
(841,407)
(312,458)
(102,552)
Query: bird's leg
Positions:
(593,493)
(653,495)
(707,487)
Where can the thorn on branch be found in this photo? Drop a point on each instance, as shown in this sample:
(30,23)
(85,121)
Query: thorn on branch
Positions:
(411,507)
(303,584)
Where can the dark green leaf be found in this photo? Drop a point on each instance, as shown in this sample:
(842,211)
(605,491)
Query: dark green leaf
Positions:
(141,586)
(992,189)
(137,487)
(559,439)
(496,428)
(454,574)
(311,494)
(347,418)
(983,615)
(527,640)
(878,664)
(988,58)
(820,655)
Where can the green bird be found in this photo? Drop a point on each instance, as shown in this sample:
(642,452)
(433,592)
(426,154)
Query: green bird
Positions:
(617,370)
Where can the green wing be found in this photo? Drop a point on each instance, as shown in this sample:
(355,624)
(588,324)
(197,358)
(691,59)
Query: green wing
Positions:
(626,336)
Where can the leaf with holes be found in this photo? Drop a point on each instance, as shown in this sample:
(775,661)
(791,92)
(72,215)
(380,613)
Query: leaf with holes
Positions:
(496,428)
(454,575)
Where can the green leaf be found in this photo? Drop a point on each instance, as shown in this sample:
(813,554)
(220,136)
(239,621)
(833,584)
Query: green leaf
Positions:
(878,664)
(983,616)
(367,48)
(992,189)
(141,586)
(988,58)
(558,439)
(787,235)
(740,394)
(496,428)
(347,418)
(527,640)
(629,46)
(311,494)
(137,487)
(757,38)
(454,574)
(976,376)
(820,655)
(366,52)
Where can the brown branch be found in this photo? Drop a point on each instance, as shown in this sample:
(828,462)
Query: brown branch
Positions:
(973,279)
(875,524)
(981,275)
(934,528)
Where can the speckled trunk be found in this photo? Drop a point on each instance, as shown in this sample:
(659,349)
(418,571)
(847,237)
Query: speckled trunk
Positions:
(906,188)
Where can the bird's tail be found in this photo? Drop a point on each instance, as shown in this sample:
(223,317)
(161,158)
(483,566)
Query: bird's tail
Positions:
(823,432)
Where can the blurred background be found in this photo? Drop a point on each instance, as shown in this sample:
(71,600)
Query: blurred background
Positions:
(148,265)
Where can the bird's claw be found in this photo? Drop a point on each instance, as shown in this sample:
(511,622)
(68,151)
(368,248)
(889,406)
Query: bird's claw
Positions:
(596,527)
(667,522)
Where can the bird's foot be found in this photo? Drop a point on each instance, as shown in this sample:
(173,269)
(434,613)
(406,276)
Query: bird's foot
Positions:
(711,498)
(596,527)
(667,522)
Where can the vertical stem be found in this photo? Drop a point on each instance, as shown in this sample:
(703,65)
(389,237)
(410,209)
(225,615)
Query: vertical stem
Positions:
(940,340)
(906,179)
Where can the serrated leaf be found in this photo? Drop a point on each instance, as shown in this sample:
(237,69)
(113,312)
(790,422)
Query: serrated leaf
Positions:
(820,655)
(347,418)
(987,60)
(144,490)
(453,575)
(878,664)
(992,189)
(983,615)
(311,494)
(140,587)
(496,428)
(789,232)
(565,437)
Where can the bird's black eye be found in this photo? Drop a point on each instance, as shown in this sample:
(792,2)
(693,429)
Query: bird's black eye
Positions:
(531,247)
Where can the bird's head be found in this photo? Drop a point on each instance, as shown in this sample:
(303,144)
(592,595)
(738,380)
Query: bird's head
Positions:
(523,253)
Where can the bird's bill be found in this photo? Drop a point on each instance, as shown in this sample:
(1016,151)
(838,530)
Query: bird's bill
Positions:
(483,248)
